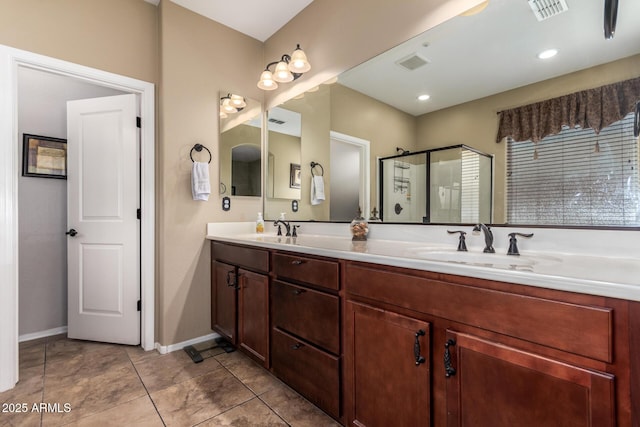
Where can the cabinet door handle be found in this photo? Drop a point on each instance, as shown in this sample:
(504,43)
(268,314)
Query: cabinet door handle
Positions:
(449,370)
(296,346)
(299,291)
(232,280)
(297,262)
(416,348)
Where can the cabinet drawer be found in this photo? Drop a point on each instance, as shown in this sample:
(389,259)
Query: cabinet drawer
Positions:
(309,314)
(311,372)
(579,329)
(242,256)
(313,271)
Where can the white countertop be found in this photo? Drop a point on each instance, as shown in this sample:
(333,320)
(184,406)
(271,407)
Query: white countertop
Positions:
(617,277)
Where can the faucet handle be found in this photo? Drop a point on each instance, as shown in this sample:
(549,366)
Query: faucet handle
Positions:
(294,233)
(462,246)
(513,242)
(279,230)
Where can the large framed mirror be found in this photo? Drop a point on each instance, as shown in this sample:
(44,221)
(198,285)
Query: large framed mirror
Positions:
(472,68)
(240,146)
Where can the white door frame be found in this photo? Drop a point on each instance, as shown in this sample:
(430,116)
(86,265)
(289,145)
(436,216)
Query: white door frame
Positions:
(10,60)
(365,167)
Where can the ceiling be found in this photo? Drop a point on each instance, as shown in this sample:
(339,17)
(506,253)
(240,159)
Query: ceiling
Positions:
(470,57)
(256,18)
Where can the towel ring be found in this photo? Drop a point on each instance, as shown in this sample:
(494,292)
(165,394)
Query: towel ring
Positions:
(313,165)
(198,148)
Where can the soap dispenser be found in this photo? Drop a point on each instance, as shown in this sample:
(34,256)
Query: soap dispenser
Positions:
(260,224)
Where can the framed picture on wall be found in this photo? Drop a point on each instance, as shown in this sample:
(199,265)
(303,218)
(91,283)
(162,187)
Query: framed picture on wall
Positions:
(294,175)
(44,157)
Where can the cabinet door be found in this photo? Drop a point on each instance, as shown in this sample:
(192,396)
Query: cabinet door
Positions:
(496,385)
(385,386)
(253,321)
(223,300)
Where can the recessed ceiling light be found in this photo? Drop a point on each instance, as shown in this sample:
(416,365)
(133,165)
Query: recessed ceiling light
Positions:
(423,97)
(549,53)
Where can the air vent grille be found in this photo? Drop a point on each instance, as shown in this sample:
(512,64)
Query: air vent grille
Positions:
(545,9)
(412,62)
(276,121)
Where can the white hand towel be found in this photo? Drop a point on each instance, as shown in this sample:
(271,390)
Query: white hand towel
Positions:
(317,190)
(200,186)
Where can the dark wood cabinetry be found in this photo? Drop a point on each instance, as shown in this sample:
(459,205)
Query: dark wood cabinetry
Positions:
(375,345)
(305,349)
(387,368)
(223,300)
(253,314)
(501,354)
(498,385)
(240,298)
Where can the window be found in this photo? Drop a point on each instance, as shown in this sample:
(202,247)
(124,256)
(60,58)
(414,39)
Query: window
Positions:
(575,178)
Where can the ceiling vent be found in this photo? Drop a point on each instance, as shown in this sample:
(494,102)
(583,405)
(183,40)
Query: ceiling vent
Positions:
(545,9)
(412,62)
(276,121)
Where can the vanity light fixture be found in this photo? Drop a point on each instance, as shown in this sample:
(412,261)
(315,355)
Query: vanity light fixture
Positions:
(231,104)
(549,53)
(287,69)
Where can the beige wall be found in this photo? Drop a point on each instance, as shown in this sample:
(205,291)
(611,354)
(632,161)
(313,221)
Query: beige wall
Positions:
(199,58)
(476,123)
(120,36)
(283,151)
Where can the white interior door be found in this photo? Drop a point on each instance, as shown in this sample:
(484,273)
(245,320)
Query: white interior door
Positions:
(102,202)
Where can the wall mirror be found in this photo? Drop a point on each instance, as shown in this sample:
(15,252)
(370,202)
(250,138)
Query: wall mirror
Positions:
(240,145)
(469,69)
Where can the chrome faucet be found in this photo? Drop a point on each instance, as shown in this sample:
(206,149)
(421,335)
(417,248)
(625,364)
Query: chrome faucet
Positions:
(287,226)
(488,237)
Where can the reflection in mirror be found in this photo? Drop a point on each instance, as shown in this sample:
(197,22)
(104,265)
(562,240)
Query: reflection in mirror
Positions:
(458,188)
(240,146)
(472,71)
(283,161)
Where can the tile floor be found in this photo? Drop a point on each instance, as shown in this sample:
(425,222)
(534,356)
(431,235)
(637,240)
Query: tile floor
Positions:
(95,384)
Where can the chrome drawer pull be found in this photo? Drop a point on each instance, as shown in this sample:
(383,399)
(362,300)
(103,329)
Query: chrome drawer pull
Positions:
(296,346)
(299,291)
(297,262)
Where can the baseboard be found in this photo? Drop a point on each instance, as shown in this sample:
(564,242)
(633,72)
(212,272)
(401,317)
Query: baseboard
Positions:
(164,349)
(42,334)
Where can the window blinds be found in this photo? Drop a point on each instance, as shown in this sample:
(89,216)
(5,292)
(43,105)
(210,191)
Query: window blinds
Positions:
(575,178)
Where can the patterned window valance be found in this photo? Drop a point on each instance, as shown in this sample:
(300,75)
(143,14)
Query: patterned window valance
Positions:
(592,108)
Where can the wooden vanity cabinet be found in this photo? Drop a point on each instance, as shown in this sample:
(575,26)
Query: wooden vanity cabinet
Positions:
(495,354)
(305,334)
(240,298)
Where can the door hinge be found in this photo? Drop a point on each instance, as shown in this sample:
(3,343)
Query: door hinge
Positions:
(139,213)
(138,122)
(139,305)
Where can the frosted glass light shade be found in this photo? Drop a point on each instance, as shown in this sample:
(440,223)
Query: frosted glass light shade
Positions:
(282,73)
(299,62)
(266,81)
(227,107)
(238,101)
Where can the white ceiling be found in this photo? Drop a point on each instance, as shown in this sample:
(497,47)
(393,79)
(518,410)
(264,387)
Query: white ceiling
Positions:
(256,18)
(494,51)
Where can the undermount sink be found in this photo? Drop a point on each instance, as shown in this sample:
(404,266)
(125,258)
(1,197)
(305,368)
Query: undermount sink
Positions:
(483,259)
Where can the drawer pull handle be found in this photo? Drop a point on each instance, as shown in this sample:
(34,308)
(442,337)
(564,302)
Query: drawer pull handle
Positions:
(297,262)
(416,347)
(299,291)
(449,370)
(296,346)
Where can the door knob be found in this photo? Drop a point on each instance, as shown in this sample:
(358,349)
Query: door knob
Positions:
(71,232)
